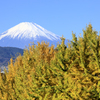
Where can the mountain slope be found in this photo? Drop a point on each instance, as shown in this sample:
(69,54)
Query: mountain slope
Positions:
(22,34)
(7,52)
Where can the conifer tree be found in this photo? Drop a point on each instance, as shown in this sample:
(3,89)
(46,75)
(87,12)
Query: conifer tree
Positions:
(67,73)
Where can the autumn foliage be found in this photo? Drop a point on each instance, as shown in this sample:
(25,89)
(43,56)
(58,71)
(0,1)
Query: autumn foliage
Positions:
(43,73)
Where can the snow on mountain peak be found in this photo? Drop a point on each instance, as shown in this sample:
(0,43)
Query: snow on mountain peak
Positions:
(28,30)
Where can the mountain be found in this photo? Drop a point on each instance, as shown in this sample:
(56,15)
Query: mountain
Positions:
(20,36)
(6,53)
(24,33)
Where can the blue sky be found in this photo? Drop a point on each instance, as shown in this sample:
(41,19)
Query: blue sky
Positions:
(58,16)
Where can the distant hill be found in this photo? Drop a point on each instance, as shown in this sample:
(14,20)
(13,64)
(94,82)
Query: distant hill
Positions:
(7,52)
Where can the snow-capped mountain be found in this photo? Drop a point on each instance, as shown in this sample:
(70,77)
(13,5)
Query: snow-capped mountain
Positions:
(24,33)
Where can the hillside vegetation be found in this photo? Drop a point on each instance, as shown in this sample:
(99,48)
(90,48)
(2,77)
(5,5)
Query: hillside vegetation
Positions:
(67,73)
(7,52)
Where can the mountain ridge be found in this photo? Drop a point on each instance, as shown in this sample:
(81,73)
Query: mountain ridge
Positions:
(22,34)
(7,52)
(27,30)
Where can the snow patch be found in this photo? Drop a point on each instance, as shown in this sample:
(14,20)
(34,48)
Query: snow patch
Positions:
(28,30)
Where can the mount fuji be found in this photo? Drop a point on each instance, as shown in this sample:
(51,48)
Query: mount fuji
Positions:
(24,33)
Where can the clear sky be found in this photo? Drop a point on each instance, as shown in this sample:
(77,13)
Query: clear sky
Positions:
(58,16)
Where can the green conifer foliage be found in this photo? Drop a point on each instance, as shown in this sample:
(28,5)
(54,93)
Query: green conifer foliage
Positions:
(80,62)
(88,60)
(67,73)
